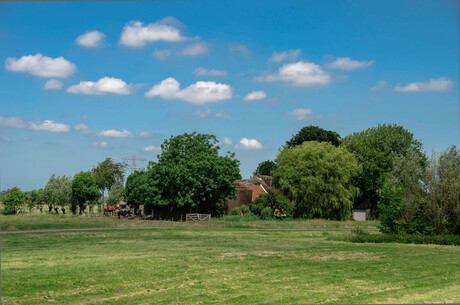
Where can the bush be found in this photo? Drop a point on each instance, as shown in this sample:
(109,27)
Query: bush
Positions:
(13,200)
(273,200)
(242,210)
(266,213)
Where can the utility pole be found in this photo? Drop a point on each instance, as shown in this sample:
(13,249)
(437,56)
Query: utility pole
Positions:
(133,162)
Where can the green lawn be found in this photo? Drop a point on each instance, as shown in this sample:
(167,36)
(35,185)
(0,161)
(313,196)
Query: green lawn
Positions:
(214,263)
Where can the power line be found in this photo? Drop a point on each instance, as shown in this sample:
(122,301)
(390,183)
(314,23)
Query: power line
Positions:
(133,162)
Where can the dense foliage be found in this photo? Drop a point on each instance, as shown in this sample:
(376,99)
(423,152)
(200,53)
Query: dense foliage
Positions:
(57,192)
(13,200)
(189,176)
(84,191)
(314,133)
(415,200)
(115,194)
(107,173)
(265,168)
(376,148)
(318,177)
(265,205)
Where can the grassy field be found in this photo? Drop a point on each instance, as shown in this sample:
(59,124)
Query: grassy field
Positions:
(183,263)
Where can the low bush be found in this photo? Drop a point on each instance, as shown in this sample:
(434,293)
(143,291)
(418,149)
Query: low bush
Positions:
(271,201)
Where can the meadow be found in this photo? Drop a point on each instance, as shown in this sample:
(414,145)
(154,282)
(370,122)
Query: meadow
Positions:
(216,262)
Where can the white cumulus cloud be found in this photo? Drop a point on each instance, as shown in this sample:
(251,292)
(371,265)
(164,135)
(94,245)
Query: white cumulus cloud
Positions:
(92,39)
(203,71)
(442,84)
(82,127)
(285,55)
(299,74)
(101,87)
(300,114)
(113,133)
(249,144)
(194,49)
(346,63)
(135,34)
(255,95)
(42,66)
(37,125)
(53,84)
(198,93)
(150,148)
(102,144)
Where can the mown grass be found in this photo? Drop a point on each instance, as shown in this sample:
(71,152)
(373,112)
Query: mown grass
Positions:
(189,265)
(53,221)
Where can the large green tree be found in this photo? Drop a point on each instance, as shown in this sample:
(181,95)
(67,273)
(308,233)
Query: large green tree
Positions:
(140,190)
(376,148)
(57,192)
(13,200)
(115,194)
(314,133)
(107,173)
(265,168)
(84,191)
(318,176)
(190,175)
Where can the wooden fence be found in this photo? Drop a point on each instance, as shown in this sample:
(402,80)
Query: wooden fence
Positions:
(197,217)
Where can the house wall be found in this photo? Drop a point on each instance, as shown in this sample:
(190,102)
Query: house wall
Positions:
(243,197)
(360,215)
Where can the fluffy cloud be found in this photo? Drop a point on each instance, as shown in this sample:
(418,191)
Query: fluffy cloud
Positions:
(228,141)
(202,114)
(194,49)
(222,115)
(442,84)
(285,55)
(101,87)
(113,133)
(379,86)
(255,95)
(249,144)
(198,93)
(93,39)
(41,66)
(53,84)
(299,74)
(346,63)
(161,54)
(151,148)
(102,144)
(135,34)
(37,125)
(301,114)
(203,71)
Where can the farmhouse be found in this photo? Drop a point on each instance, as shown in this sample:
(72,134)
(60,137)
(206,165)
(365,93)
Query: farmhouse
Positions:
(248,190)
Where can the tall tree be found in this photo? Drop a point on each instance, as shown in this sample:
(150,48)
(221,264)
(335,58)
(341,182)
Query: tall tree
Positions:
(115,194)
(318,176)
(191,176)
(265,168)
(376,148)
(57,192)
(314,133)
(84,191)
(13,200)
(107,173)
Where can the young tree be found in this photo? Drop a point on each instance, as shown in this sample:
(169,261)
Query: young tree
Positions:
(318,176)
(314,133)
(139,190)
(265,168)
(13,200)
(191,176)
(115,194)
(58,192)
(376,149)
(107,173)
(84,191)
(49,196)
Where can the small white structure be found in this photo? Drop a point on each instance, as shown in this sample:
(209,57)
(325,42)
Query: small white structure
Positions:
(362,211)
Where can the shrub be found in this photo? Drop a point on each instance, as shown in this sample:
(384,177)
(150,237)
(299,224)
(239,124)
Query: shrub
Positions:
(266,213)
(273,200)
(13,200)
(242,210)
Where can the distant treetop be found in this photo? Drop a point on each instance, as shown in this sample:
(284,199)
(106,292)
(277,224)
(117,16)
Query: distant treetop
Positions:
(314,133)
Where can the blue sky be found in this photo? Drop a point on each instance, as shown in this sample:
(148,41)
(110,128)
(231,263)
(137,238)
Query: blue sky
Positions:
(82,81)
